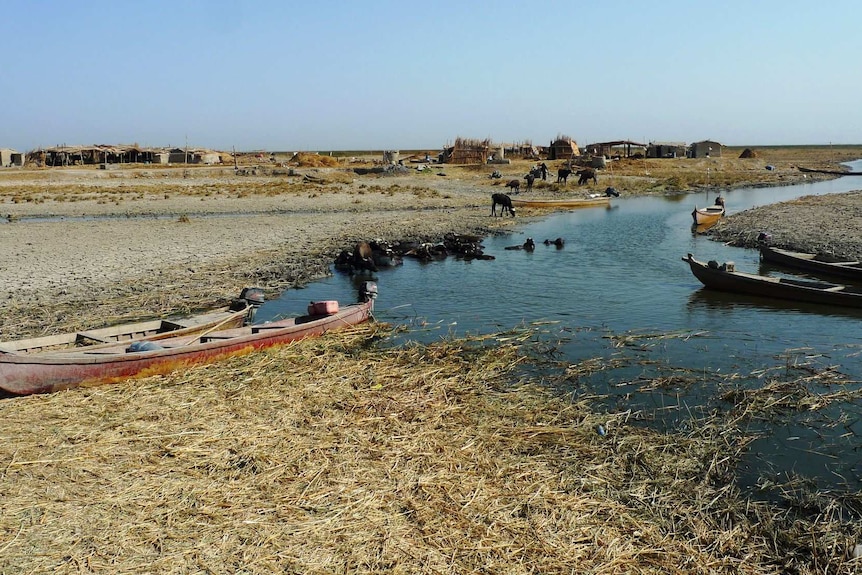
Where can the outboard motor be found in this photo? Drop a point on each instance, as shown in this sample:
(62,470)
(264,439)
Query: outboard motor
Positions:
(368,291)
(251,298)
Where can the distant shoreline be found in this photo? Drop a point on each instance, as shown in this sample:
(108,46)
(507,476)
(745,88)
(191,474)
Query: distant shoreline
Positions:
(146,256)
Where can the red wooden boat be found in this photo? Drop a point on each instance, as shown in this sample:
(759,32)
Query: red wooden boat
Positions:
(26,368)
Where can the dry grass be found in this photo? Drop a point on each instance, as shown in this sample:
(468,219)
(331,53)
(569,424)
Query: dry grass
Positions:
(329,455)
(630,176)
(668,175)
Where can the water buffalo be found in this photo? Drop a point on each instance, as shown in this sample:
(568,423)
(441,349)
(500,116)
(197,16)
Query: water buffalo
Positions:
(529,245)
(503,200)
(585,175)
(361,259)
(530,179)
(562,175)
(515,185)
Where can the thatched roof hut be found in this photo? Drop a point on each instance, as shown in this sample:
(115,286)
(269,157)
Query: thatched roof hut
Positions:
(748,153)
(563,148)
(467,151)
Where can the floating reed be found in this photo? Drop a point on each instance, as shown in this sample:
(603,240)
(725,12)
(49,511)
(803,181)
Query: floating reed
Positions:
(332,455)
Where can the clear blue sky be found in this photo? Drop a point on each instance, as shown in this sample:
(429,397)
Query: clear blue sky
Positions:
(324,75)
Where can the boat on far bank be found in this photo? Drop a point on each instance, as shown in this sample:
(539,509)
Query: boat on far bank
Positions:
(815,263)
(724,277)
(710,214)
(564,203)
(832,172)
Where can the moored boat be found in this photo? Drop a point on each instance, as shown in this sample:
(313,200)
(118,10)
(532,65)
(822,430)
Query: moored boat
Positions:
(29,366)
(814,263)
(833,172)
(563,203)
(709,214)
(724,277)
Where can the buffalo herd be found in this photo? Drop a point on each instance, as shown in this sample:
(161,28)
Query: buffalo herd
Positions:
(371,256)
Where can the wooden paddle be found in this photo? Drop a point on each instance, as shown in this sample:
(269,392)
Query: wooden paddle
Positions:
(228,319)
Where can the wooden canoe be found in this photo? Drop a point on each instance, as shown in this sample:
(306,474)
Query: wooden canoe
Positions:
(833,172)
(25,369)
(813,263)
(564,204)
(708,215)
(726,278)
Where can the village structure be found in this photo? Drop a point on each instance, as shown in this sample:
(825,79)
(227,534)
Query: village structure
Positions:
(9,157)
(463,151)
(471,151)
(106,155)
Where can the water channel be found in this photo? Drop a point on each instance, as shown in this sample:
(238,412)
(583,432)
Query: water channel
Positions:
(620,275)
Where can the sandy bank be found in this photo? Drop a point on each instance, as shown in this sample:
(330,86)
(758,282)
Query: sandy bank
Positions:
(83,247)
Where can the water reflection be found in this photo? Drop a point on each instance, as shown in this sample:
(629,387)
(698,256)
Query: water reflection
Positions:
(703,228)
(717,301)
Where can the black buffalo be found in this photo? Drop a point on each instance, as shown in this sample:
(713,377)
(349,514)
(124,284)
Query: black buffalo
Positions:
(503,200)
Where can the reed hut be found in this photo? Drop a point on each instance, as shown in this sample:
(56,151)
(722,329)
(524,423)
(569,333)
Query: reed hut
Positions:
(91,155)
(705,149)
(665,150)
(466,151)
(616,149)
(563,148)
(525,150)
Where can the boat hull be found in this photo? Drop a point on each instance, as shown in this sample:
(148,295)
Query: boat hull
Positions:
(704,216)
(781,288)
(811,263)
(562,204)
(22,374)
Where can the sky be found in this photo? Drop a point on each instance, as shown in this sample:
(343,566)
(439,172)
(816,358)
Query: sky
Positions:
(325,75)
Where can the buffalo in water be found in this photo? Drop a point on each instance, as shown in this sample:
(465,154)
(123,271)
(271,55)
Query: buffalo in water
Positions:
(384,254)
(528,245)
(360,259)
